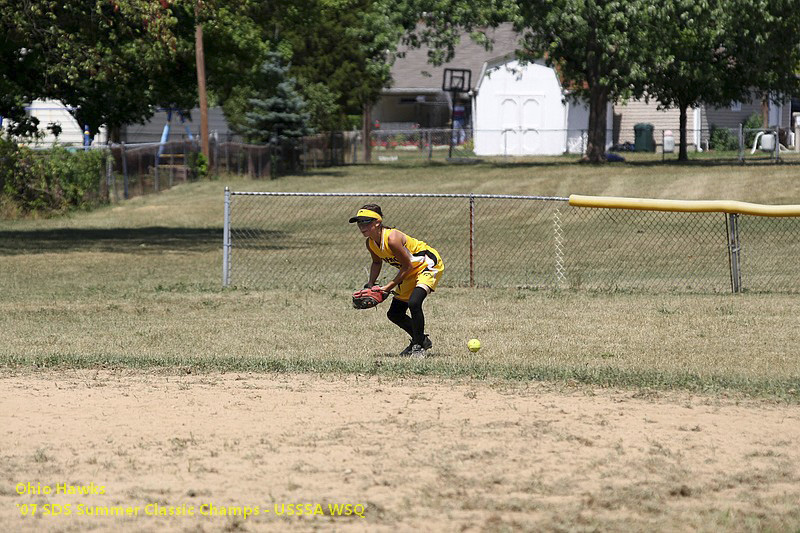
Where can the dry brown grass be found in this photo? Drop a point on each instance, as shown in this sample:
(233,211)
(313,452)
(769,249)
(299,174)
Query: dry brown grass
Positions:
(139,284)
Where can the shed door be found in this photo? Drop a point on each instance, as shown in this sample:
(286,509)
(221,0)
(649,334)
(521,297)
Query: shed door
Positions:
(521,120)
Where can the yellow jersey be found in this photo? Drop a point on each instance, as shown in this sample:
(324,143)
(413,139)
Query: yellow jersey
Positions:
(423,257)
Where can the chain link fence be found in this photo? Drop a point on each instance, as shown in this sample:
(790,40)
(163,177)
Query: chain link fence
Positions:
(421,145)
(303,239)
(151,167)
(720,145)
(467,144)
(139,169)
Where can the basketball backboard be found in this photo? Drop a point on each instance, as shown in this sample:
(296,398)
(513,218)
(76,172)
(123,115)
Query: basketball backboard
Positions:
(457,80)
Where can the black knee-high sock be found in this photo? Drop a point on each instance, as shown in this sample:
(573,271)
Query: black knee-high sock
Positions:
(397,314)
(417,316)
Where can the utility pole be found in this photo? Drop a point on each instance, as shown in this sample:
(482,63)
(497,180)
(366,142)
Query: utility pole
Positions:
(201,82)
(367,127)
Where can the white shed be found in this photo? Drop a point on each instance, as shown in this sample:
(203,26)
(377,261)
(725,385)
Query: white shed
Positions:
(520,109)
(51,112)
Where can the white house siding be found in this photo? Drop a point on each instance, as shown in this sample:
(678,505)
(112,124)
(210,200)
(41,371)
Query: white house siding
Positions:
(640,112)
(577,122)
(578,126)
(151,130)
(725,117)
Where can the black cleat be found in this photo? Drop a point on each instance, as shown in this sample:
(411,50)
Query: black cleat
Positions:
(427,344)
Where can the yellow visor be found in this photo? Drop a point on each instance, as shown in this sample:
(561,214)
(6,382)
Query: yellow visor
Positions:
(364,214)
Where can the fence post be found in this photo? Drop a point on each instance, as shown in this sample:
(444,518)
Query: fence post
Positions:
(215,165)
(269,161)
(741,144)
(124,172)
(734,249)
(228,155)
(111,183)
(226,239)
(471,240)
(777,145)
(140,174)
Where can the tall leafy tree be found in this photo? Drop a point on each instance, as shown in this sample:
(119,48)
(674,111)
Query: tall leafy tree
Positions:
(105,59)
(20,70)
(696,63)
(114,61)
(340,51)
(719,51)
(602,49)
(237,37)
(764,45)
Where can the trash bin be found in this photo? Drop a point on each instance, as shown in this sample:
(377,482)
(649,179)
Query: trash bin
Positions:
(768,142)
(669,142)
(643,138)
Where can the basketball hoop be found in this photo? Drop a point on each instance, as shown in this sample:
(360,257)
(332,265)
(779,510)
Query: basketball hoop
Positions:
(457,80)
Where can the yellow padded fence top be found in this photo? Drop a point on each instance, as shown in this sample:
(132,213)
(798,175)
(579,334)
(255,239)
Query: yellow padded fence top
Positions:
(690,206)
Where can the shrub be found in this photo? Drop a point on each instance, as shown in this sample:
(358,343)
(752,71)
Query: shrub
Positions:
(21,184)
(753,123)
(723,139)
(50,180)
(75,175)
(198,164)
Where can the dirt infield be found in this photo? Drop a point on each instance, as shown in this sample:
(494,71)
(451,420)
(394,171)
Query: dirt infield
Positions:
(377,455)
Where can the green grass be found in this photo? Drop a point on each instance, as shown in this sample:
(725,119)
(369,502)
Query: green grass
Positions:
(138,285)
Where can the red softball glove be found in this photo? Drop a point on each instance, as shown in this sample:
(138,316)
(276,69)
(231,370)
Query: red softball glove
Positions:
(368,298)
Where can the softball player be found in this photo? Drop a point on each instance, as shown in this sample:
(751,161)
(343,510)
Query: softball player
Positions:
(419,267)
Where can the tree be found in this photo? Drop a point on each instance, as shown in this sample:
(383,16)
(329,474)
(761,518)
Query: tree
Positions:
(371,31)
(19,72)
(105,59)
(764,47)
(278,114)
(696,63)
(114,61)
(601,49)
(721,51)
(341,52)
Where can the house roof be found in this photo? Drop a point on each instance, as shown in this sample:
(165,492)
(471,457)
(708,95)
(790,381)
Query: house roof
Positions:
(413,73)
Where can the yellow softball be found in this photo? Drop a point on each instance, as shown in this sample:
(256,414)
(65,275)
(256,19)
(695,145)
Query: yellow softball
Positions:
(474,345)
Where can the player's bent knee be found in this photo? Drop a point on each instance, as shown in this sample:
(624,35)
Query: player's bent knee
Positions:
(395,314)
(417,297)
